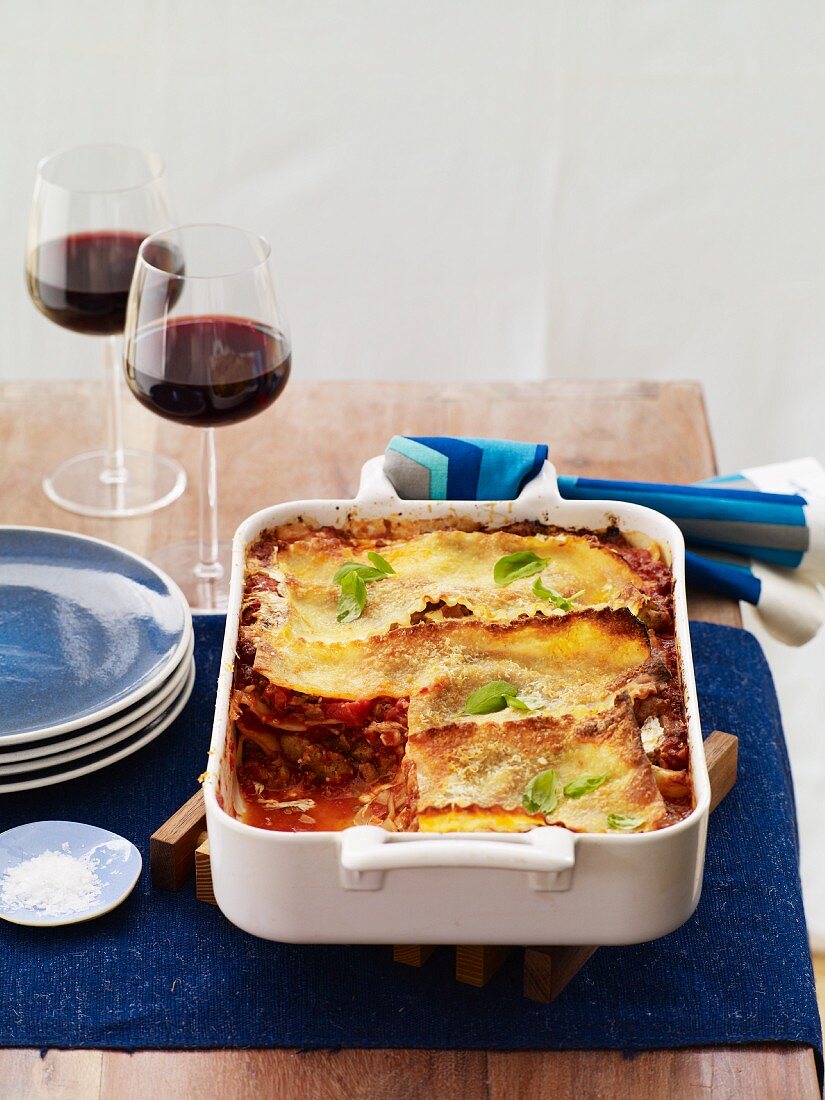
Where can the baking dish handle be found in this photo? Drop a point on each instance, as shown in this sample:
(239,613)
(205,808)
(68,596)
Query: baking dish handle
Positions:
(375,487)
(547,855)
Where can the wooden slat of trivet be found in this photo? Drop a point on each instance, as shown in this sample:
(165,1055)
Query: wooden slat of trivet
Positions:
(412,954)
(475,963)
(172,846)
(203,873)
(722,756)
(547,970)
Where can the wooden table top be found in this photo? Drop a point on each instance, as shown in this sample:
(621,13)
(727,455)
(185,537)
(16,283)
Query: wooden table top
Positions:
(312,444)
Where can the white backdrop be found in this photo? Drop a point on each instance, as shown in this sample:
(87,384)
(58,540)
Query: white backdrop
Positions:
(475,189)
(479,189)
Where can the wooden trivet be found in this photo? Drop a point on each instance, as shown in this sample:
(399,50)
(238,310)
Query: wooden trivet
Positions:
(180,846)
(172,846)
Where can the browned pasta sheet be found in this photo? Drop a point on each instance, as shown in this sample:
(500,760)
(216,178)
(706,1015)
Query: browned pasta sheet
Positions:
(472,764)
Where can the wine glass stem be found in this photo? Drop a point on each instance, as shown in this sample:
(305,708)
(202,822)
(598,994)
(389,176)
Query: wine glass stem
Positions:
(208,565)
(114,472)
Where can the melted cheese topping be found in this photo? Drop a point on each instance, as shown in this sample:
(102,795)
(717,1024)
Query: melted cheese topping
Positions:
(472,765)
(455,567)
(567,659)
(573,665)
(475,820)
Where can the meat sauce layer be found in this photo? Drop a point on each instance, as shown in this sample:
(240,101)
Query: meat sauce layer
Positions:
(310,763)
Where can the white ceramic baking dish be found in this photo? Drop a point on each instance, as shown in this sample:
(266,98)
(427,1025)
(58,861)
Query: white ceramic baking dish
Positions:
(367,885)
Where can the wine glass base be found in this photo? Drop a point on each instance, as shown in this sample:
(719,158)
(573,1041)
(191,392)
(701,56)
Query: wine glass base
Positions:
(205,594)
(82,484)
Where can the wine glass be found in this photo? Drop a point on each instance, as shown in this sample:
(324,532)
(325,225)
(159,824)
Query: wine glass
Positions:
(93,205)
(206,344)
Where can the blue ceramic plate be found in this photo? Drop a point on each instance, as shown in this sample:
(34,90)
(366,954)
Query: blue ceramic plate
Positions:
(88,748)
(86,629)
(46,774)
(111,867)
(134,717)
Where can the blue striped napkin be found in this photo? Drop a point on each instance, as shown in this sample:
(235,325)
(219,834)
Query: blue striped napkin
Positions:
(739,528)
(447,468)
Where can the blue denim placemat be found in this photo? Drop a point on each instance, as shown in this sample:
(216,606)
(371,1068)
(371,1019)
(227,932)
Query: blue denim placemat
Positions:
(165,971)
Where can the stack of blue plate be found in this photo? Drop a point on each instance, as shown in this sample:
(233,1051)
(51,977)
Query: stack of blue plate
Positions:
(95,655)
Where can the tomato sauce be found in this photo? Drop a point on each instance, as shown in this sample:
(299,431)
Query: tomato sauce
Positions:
(329,812)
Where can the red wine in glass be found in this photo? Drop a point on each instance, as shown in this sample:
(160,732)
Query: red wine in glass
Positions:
(222,356)
(208,371)
(92,207)
(82,282)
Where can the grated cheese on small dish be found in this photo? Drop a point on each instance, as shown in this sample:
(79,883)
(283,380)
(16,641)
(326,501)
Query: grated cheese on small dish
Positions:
(55,884)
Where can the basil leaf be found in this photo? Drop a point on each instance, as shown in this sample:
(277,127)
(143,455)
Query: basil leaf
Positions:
(540,793)
(490,697)
(622,821)
(563,602)
(497,695)
(353,577)
(584,785)
(380,563)
(353,597)
(513,566)
(365,572)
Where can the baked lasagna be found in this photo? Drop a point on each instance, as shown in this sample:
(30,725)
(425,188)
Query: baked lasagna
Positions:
(424,675)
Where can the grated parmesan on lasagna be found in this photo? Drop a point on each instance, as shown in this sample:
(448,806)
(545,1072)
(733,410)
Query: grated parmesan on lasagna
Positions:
(426,676)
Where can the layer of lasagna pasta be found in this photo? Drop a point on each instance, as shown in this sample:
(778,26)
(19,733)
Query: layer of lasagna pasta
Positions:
(369,717)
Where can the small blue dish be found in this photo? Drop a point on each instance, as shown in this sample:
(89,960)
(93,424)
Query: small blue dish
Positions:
(113,864)
(86,629)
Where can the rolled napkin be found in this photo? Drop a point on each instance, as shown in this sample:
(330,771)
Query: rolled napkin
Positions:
(787,601)
(783,528)
(738,528)
(448,468)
